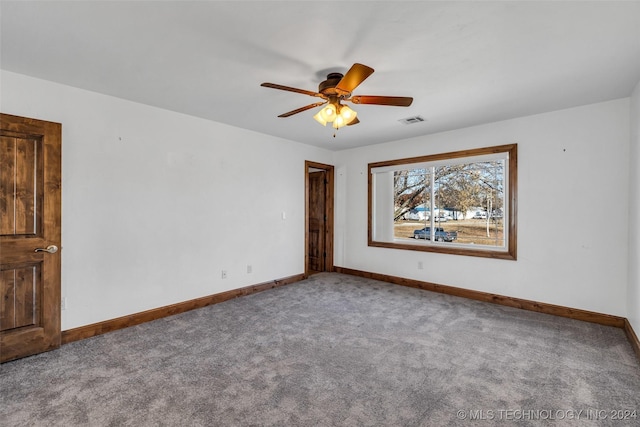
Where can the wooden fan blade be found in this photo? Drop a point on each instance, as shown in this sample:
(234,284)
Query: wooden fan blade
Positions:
(356,75)
(300,110)
(353,122)
(398,101)
(292,89)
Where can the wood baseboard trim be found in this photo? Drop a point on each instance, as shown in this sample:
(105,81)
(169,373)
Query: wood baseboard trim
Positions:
(540,307)
(632,337)
(100,328)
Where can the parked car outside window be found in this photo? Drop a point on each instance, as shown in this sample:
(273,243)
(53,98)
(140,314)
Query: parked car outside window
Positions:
(440,234)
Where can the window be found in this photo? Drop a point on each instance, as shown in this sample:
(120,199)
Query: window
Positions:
(460,203)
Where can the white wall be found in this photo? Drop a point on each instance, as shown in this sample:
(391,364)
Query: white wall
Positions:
(633,300)
(573,160)
(156,204)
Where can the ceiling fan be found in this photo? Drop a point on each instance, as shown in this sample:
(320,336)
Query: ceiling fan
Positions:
(338,88)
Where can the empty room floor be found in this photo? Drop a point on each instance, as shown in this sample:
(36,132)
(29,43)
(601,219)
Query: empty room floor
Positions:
(333,350)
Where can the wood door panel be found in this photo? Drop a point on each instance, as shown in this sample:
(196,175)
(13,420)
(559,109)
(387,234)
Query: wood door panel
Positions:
(30,218)
(24,342)
(317,219)
(19,288)
(26,190)
(19,192)
(7,174)
(315,260)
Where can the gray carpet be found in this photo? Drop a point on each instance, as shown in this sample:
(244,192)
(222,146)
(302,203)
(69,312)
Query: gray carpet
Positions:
(333,350)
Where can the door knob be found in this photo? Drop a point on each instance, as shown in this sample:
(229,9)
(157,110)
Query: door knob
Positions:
(52,249)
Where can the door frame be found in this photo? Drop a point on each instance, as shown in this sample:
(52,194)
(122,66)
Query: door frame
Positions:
(46,334)
(328,205)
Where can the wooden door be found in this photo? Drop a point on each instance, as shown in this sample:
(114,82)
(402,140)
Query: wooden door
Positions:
(318,217)
(30,219)
(317,221)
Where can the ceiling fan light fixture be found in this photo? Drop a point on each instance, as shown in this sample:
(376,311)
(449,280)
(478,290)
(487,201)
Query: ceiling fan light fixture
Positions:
(339,122)
(318,118)
(347,114)
(328,113)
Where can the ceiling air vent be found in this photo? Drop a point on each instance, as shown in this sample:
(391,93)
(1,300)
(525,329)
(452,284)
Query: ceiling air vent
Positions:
(411,120)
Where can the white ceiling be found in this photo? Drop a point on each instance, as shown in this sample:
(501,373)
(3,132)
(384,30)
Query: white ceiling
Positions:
(465,63)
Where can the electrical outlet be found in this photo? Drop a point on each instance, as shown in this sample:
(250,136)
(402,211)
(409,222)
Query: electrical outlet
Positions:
(63,303)
(420,265)
(224,274)
(249,269)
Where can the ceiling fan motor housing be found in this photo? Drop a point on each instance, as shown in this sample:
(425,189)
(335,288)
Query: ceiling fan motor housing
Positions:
(327,87)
